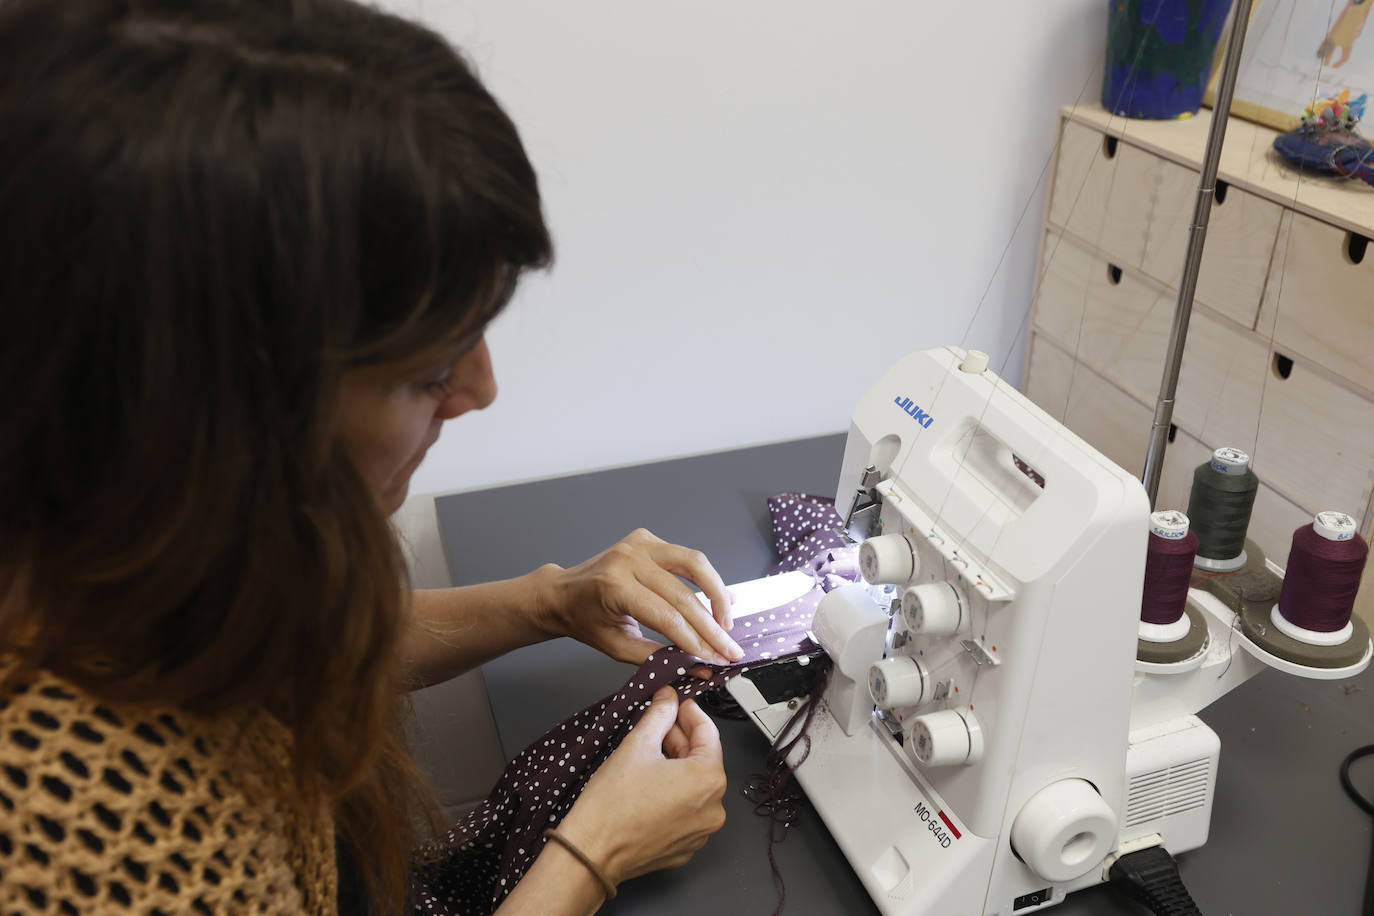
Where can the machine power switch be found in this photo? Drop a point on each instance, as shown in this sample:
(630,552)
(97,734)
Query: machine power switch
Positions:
(1034,898)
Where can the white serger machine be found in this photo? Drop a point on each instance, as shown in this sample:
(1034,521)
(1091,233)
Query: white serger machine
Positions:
(988,741)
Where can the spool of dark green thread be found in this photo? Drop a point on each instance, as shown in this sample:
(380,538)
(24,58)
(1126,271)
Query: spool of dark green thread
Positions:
(1219,507)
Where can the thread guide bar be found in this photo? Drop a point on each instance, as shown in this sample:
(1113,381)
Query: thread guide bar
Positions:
(959,567)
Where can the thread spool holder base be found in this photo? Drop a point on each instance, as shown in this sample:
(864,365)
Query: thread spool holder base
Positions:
(1175,654)
(1251,592)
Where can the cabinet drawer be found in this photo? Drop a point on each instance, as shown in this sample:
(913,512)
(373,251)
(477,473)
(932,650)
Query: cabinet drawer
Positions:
(1364,601)
(1316,440)
(1105,417)
(1088,172)
(1089,304)
(1117,322)
(1323,306)
(1241,230)
(1108,419)
(1118,426)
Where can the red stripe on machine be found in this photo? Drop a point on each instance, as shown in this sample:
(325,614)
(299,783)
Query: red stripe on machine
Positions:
(950,824)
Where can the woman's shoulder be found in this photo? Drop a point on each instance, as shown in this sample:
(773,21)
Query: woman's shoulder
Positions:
(108,807)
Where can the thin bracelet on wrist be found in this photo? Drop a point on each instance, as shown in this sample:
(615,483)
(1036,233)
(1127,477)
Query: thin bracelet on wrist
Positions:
(584,859)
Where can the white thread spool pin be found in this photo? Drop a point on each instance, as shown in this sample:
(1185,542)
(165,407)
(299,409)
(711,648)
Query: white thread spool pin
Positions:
(1232,462)
(1170,524)
(1334,526)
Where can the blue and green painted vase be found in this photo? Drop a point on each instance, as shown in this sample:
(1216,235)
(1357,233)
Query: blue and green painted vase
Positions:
(1159,55)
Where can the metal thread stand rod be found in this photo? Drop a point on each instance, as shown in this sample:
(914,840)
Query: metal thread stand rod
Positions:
(1197,237)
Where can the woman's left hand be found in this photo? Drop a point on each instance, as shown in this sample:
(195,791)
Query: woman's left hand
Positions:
(603,601)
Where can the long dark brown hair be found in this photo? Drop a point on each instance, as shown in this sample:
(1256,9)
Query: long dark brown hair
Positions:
(211,211)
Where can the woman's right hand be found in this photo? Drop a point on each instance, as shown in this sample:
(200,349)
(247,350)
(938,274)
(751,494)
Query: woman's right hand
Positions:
(657,798)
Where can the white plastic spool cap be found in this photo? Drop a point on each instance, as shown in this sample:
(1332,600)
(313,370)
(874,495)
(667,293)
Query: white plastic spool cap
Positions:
(897,681)
(933,609)
(1230,461)
(1334,526)
(888,559)
(1170,524)
(945,738)
(1065,830)
(975,361)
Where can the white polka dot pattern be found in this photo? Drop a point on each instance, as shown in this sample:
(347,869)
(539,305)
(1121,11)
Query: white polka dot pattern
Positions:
(472,868)
(804,527)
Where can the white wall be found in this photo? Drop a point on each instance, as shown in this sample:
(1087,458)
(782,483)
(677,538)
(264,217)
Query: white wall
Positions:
(757,205)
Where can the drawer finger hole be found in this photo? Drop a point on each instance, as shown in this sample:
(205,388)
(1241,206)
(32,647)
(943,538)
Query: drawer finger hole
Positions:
(1113,274)
(1109,146)
(1282,366)
(1356,246)
(1220,192)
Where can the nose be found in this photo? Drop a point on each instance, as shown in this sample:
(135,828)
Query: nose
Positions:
(475,384)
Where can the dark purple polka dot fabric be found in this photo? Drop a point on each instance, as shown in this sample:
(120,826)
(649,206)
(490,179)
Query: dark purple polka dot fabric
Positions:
(472,868)
(804,528)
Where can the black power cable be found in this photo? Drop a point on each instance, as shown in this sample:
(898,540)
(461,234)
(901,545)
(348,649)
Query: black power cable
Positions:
(1151,876)
(1368,806)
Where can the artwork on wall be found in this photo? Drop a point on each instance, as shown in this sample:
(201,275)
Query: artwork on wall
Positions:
(1300,50)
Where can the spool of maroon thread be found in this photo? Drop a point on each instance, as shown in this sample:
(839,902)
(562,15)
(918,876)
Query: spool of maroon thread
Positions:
(1324,568)
(1168,569)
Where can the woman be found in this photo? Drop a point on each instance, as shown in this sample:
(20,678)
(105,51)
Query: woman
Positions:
(250,251)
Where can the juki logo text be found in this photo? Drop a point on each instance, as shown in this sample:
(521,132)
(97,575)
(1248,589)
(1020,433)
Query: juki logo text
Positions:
(916,413)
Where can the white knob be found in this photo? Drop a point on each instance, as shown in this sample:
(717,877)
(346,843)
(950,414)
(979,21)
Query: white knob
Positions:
(897,681)
(934,609)
(975,361)
(947,737)
(888,559)
(1065,830)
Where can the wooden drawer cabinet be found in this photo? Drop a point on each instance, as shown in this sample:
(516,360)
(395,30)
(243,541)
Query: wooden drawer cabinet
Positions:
(1241,232)
(1280,353)
(1135,209)
(1322,307)
(1118,425)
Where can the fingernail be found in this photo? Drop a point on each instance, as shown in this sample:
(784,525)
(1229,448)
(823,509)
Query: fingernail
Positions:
(719,659)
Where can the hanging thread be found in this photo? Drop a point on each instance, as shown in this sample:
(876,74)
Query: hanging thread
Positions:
(1168,569)
(1319,585)
(1219,506)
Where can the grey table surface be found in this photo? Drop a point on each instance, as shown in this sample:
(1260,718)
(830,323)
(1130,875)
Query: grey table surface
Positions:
(1285,839)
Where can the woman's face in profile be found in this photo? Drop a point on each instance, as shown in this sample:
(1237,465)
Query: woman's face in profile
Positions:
(389,423)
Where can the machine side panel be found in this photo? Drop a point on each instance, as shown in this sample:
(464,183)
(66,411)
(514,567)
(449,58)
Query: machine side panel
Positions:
(1078,710)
